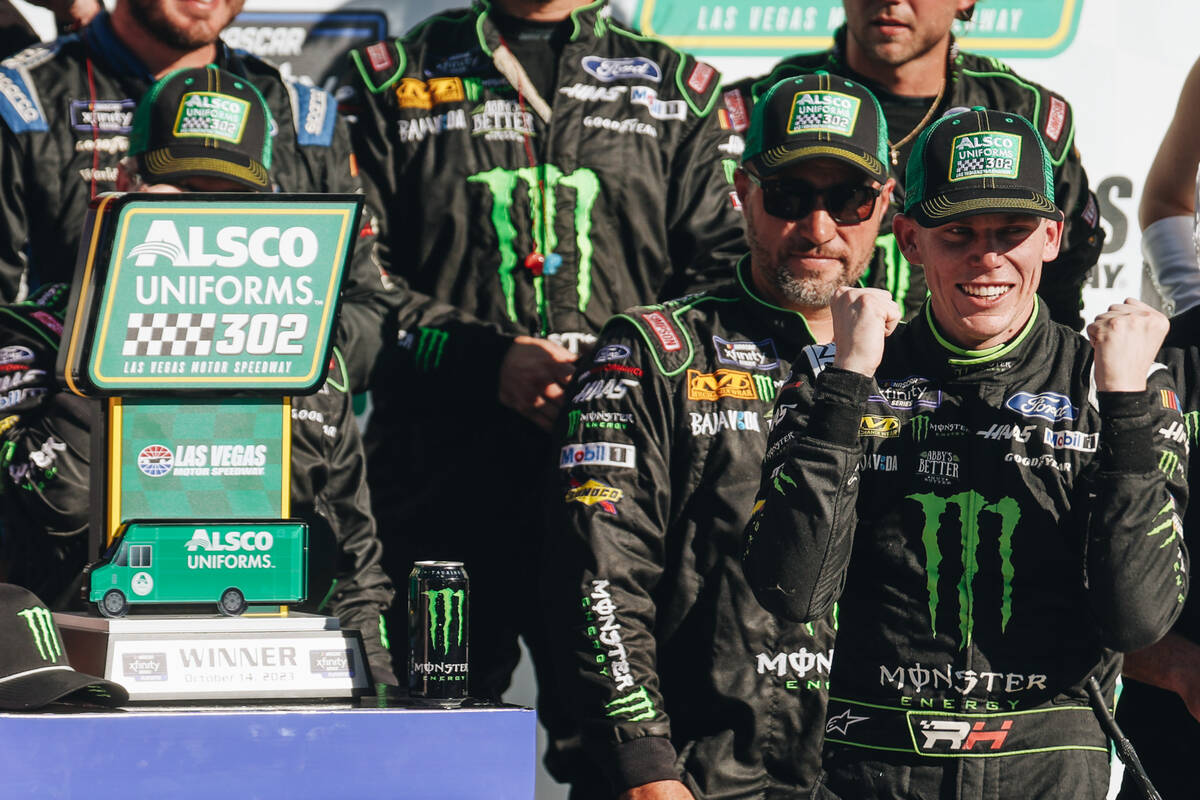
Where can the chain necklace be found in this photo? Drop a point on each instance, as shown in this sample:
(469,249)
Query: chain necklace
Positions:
(895,147)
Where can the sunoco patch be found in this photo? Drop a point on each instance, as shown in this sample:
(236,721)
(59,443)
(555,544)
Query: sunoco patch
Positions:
(986,154)
(826,112)
(214,115)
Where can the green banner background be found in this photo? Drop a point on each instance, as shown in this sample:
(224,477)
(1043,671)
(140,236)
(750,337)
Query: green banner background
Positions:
(1003,28)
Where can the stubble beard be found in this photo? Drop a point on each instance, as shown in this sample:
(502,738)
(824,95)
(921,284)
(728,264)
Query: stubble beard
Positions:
(150,14)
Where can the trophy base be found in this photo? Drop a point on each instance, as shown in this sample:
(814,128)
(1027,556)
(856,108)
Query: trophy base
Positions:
(172,658)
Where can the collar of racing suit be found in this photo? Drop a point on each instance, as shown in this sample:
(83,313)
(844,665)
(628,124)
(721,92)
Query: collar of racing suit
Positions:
(102,42)
(1024,353)
(591,17)
(781,321)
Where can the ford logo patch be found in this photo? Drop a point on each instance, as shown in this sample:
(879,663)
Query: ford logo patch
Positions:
(620,69)
(1047,405)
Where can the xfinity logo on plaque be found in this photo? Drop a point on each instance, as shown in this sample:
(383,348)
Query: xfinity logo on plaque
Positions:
(220,294)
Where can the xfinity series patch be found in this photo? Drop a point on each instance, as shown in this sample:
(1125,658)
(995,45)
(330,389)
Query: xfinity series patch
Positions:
(102,116)
(824,112)
(621,69)
(986,154)
(747,355)
(1050,406)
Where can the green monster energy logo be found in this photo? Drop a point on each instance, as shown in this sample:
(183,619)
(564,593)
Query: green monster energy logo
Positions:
(1168,462)
(430,346)
(971,506)
(573,421)
(765,385)
(450,598)
(785,478)
(541,181)
(41,625)
(637,705)
(1192,420)
(920,428)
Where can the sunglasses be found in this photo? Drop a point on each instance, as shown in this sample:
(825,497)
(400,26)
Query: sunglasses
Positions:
(788,198)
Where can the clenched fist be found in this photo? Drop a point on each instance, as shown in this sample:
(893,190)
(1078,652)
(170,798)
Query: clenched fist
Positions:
(1126,339)
(862,319)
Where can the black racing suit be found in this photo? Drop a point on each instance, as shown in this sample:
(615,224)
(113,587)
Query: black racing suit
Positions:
(624,186)
(972,80)
(997,531)
(66,108)
(45,448)
(672,667)
(1156,720)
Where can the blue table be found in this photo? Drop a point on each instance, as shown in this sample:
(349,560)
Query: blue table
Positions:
(271,753)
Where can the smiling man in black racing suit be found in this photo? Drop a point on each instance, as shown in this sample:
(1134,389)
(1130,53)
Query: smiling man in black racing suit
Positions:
(905,53)
(993,500)
(683,685)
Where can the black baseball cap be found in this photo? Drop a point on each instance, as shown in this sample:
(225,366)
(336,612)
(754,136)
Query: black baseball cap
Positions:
(818,115)
(203,121)
(33,666)
(979,161)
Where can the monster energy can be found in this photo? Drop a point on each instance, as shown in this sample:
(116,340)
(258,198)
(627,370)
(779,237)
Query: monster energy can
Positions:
(438,596)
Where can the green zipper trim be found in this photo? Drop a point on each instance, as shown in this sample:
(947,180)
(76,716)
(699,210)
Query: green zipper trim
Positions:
(972,358)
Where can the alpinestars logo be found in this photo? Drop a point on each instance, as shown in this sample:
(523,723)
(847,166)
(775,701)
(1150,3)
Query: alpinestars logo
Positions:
(41,627)
(971,506)
(636,705)
(842,722)
(445,605)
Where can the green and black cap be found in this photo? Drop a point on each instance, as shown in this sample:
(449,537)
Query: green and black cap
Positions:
(34,670)
(979,161)
(818,115)
(203,121)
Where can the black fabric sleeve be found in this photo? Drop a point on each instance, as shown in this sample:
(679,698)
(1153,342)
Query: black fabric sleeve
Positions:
(1136,562)
(799,538)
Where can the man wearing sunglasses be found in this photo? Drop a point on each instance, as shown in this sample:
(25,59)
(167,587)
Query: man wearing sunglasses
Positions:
(682,684)
(904,51)
(993,502)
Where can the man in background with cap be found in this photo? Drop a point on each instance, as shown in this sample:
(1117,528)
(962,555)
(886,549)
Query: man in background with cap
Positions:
(65,113)
(683,685)
(905,53)
(195,130)
(34,670)
(993,502)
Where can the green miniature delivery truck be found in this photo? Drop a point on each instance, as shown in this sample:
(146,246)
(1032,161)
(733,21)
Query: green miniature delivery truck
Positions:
(231,564)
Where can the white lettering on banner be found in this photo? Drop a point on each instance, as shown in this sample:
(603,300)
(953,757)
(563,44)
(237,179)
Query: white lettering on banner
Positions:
(266,42)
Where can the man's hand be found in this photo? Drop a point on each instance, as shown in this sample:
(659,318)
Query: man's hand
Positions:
(862,319)
(1126,339)
(532,378)
(658,790)
(1172,663)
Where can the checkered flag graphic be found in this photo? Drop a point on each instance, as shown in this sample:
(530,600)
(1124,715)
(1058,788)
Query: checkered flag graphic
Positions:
(161,334)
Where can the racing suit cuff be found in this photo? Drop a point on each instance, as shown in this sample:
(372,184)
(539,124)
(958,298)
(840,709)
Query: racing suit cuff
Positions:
(841,396)
(1126,431)
(640,761)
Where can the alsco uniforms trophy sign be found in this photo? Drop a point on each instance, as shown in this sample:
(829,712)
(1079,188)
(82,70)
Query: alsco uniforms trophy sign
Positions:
(195,317)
